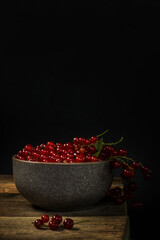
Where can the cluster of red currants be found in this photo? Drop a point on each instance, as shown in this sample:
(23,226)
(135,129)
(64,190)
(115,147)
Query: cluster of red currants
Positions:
(79,150)
(55,222)
(118,195)
(129,166)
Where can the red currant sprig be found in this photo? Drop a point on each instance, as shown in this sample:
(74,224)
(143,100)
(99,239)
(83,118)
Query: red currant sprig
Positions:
(55,222)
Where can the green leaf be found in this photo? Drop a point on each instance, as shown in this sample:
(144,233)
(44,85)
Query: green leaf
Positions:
(96,154)
(98,146)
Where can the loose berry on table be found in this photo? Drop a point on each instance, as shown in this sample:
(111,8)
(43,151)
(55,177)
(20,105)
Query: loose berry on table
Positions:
(53,226)
(68,223)
(57,219)
(45,218)
(38,223)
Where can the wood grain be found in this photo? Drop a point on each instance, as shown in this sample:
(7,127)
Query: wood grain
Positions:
(105,220)
(7,184)
(107,228)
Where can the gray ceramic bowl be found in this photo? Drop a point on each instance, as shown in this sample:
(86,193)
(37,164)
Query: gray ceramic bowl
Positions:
(62,186)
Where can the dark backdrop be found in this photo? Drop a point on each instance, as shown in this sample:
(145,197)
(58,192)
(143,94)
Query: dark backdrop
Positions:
(77,68)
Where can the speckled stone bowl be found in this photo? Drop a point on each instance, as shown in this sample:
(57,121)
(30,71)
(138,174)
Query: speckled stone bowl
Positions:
(62,186)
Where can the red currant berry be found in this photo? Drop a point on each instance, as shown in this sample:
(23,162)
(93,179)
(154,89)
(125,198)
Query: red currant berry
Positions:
(118,191)
(59,149)
(58,160)
(51,152)
(76,140)
(103,156)
(37,149)
(70,160)
(70,150)
(68,223)
(136,205)
(89,158)
(115,192)
(42,146)
(58,144)
(53,226)
(28,147)
(147,176)
(94,139)
(45,218)
(79,159)
(42,157)
(127,174)
(29,158)
(69,145)
(127,196)
(91,149)
(108,150)
(87,142)
(136,165)
(130,187)
(56,155)
(20,157)
(51,159)
(119,201)
(94,159)
(63,156)
(50,144)
(82,150)
(44,152)
(57,219)
(70,155)
(145,169)
(24,153)
(125,165)
(115,153)
(35,155)
(81,140)
(38,223)
(115,164)
(49,148)
(123,152)
(65,151)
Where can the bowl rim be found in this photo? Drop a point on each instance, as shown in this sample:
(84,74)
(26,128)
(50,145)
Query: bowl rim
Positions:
(54,163)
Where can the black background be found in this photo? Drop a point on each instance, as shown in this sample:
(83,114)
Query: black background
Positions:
(76,68)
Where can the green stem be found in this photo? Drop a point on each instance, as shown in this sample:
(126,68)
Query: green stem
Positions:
(121,158)
(103,133)
(127,158)
(111,144)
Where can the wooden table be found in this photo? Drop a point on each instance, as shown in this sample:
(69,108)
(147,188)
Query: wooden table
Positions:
(104,221)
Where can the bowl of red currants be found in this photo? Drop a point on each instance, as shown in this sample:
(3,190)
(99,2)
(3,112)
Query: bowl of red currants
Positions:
(75,175)
(62,177)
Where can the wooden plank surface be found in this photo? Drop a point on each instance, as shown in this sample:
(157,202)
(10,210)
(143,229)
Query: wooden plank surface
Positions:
(7,184)
(105,220)
(107,228)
